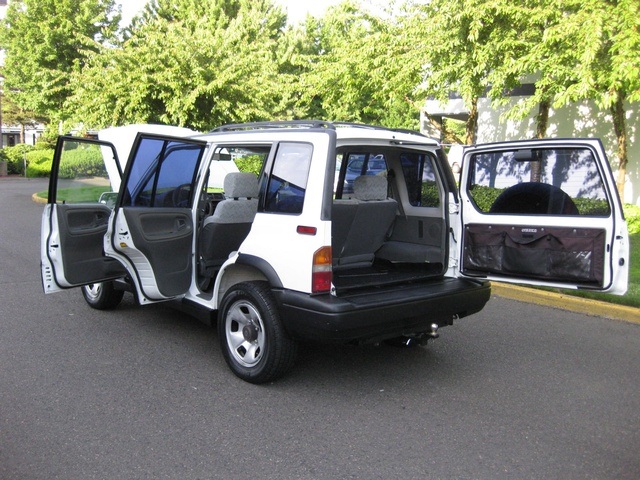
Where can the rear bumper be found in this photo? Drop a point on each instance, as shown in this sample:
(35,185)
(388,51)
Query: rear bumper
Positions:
(377,314)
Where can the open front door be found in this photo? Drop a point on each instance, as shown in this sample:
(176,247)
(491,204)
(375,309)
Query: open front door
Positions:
(543,212)
(76,216)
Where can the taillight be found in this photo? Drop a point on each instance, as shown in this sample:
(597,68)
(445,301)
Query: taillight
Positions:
(321,271)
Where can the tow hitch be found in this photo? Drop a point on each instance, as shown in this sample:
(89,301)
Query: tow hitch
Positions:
(414,340)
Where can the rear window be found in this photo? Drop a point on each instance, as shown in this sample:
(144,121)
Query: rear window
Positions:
(357,163)
(561,181)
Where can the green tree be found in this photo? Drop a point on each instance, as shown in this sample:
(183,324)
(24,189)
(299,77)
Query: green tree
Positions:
(190,63)
(12,114)
(474,48)
(45,42)
(574,50)
(354,69)
(604,36)
(452,35)
(538,54)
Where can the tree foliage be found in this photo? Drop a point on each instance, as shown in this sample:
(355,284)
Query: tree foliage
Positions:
(190,63)
(356,72)
(45,42)
(201,63)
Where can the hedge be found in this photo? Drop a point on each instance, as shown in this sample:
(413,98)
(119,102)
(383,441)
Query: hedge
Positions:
(15,158)
(485,196)
(82,162)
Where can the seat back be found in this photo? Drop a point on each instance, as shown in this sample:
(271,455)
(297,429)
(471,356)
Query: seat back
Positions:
(372,219)
(343,214)
(224,231)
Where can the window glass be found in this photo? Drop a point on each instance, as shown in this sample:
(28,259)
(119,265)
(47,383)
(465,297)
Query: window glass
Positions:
(143,173)
(233,159)
(420,177)
(82,173)
(563,181)
(162,173)
(288,180)
(362,163)
(177,175)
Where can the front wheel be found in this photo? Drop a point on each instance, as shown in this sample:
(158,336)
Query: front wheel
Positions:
(102,296)
(254,343)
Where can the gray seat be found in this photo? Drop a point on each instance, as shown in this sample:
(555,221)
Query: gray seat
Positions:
(224,231)
(370,215)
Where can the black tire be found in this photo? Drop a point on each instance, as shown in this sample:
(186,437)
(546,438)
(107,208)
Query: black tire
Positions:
(254,343)
(102,296)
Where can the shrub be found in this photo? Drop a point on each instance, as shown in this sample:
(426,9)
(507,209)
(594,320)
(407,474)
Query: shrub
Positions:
(592,206)
(15,158)
(42,169)
(484,197)
(430,195)
(43,144)
(632,214)
(39,156)
(39,163)
(81,162)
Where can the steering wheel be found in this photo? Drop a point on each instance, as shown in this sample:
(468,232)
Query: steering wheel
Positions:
(181,195)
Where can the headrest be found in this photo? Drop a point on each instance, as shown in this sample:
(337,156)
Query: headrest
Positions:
(240,184)
(370,187)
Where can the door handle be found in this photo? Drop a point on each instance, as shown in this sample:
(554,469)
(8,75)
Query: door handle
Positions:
(180,224)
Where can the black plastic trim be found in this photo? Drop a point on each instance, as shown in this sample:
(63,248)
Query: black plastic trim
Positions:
(377,314)
(263,266)
(327,194)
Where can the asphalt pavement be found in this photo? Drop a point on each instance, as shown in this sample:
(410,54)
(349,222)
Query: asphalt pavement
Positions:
(519,390)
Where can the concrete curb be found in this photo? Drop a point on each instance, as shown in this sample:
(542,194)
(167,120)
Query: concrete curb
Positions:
(567,302)
(38,199)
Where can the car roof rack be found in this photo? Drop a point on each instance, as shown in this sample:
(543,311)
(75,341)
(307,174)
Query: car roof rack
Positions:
(378,127)
(237,127)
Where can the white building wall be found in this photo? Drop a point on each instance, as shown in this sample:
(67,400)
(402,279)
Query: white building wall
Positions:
(578,120)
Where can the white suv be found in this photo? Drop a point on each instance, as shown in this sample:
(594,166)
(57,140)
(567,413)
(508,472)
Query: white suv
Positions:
(254,225)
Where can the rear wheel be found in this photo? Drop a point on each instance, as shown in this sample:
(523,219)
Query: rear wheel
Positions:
(102,296)
(254,343)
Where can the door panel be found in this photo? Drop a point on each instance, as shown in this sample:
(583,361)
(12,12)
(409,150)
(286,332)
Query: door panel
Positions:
(82,229)
(543,212)
(164,236)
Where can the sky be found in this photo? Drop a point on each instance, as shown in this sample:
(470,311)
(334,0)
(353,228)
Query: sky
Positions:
(296,9)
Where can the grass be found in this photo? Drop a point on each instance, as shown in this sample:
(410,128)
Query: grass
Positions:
(89,194)
(632,297)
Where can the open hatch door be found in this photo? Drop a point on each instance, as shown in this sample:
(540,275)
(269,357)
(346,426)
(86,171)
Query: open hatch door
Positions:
(543,212)
(148,235)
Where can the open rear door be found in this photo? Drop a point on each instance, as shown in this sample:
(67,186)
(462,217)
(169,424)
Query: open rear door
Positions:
(75,219)
(152,227)
(543,212)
